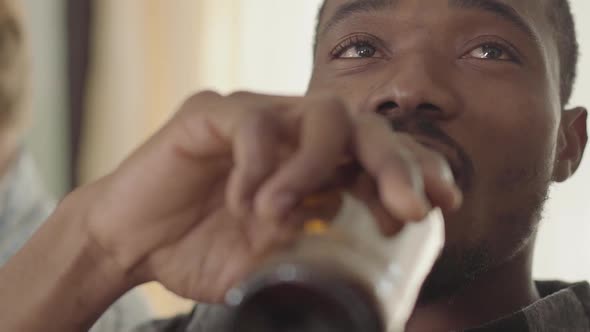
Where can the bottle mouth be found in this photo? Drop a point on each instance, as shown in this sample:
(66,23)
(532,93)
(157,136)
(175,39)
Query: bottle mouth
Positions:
(292,297)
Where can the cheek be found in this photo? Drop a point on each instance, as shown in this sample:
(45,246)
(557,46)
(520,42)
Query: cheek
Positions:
(513,114)
(512,138)
(511,142)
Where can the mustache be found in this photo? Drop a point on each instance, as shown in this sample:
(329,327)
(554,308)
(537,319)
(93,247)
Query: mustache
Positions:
(429,129)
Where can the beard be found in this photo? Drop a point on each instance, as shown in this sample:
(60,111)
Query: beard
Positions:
(460,264)
(506,229)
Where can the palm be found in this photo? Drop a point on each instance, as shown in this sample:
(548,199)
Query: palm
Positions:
(220,249)
(192,224)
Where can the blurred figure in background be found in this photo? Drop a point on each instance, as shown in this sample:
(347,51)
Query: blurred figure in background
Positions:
(24,204)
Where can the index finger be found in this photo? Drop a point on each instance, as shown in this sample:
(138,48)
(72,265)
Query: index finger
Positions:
(209,121)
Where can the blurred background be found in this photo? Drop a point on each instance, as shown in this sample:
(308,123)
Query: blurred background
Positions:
(107,73)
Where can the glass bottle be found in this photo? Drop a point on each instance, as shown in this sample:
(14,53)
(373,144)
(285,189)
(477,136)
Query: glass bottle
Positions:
(342,275)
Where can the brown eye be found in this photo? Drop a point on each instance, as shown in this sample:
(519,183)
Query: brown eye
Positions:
(359,46)
(359,50)
(489,52)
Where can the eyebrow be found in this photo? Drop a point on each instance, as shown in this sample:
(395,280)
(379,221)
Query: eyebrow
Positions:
(495,7)
(500,9)
(356,7)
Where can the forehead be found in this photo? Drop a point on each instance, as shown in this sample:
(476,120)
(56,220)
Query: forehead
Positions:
(532,12)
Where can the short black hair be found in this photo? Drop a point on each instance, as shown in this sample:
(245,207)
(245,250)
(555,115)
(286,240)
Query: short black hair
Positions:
(561,17)
(562,20)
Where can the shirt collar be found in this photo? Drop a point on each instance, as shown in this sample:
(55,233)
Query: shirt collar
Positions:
(24,204)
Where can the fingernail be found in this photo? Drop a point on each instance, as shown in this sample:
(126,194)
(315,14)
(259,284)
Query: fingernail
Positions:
(281,204)
(447,176)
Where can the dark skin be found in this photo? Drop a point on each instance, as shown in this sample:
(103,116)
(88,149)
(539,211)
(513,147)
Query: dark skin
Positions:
(480,81)
(205,198)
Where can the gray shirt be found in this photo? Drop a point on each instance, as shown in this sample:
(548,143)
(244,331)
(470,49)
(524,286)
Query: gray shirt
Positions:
(24,205)
(563,308)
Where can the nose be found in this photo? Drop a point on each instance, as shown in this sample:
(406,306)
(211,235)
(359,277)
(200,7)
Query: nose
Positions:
(415,88)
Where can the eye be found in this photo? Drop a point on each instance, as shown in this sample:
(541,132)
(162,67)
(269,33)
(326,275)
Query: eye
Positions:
(361,50)
(490,52)
(356,47)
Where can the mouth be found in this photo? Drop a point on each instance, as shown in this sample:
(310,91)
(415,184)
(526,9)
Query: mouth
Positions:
(453,155)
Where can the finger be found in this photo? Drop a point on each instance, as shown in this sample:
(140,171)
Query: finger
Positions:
(211,261)
(366,190)
(207,122)
(227,243)
(232,259)
(439,183)
(249,255)
(168,264)
(398,175)
(256,156)
(325,136)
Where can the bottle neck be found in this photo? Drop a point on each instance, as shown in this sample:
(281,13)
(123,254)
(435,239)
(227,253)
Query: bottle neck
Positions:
(306,300)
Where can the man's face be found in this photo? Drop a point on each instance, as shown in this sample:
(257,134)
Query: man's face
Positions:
(475,80)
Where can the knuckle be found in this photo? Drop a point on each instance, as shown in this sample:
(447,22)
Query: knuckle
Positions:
(200,101)
(201,97)
(257,122)
(252,105)
(398,162)
(240,95)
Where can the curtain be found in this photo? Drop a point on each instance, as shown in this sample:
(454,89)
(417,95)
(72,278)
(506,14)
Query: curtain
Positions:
(148,56)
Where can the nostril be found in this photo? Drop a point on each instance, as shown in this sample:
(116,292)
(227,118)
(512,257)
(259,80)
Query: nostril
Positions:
(387,108)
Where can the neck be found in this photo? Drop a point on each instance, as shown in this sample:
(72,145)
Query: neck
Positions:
(492,295)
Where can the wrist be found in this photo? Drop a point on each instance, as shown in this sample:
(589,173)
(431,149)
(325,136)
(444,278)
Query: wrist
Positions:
(91,263)
(58,272)
(75,212)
